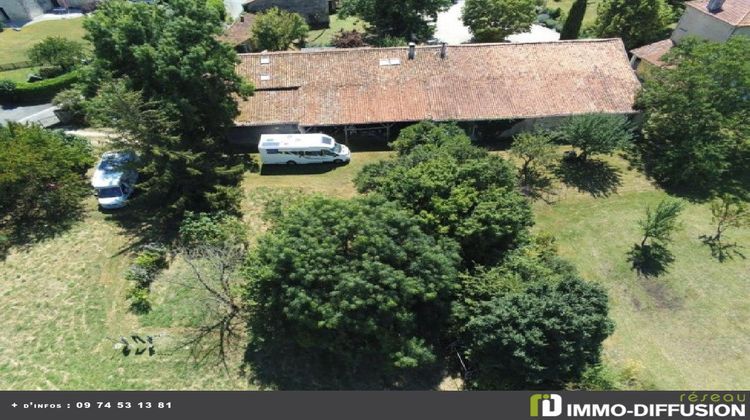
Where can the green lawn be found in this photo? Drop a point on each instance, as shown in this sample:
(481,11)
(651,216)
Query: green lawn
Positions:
(322,37)
(15,44)
(17,75)
(689,329)
(566,4)
(64,299)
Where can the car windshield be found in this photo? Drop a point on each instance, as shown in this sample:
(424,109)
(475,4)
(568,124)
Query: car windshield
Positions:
(113,163)
(111,192)
(336,149)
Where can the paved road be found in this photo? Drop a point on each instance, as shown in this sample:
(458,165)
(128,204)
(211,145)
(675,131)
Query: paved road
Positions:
(43,114)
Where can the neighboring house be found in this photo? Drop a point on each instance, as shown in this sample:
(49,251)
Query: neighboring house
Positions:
(239,33)
(379,87)
(712,20)
(315,11)
(24,10)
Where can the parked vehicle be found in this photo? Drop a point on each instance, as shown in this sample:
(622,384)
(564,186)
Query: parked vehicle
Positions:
(292,149)
(114,179)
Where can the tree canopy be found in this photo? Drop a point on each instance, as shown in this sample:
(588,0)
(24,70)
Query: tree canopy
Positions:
(637,22)
(597,133)
(495,20)
(543,337)
(696,133)
(456,189)
(397,18)
(277,30)
(170,71)
(42,180)
(57,51)
(348,294)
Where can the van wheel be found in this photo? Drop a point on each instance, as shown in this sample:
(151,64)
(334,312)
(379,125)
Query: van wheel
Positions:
(338,161)
(291,162)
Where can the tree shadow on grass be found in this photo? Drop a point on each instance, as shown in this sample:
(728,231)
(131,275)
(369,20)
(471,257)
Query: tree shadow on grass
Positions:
(722,251)
(26,230)
(298,369)
(592,176)
(311,169)
(650,260)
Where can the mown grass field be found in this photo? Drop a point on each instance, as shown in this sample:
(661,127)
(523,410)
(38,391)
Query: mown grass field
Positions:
(14,45)
(322,37)
(63,299)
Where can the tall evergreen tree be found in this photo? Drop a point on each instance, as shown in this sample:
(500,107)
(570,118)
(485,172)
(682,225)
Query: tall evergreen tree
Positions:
(574,21)
(169,55)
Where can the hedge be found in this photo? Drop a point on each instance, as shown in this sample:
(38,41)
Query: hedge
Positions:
(38,92)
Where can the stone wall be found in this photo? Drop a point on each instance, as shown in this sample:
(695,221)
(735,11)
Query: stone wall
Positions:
(315,11)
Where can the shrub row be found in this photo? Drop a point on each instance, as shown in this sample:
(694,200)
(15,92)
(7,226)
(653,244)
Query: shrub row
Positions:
(36,92)
(142,273)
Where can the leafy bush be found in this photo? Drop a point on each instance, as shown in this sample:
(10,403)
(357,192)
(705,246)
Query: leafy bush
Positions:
(72,103)
(348,39)
(140,299)
(7,89)
(212,229)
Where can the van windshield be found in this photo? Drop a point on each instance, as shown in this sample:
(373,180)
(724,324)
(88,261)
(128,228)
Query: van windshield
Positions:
(336,149)
(111,192)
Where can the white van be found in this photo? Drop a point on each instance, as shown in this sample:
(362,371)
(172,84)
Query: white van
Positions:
(113,180)
(292,149)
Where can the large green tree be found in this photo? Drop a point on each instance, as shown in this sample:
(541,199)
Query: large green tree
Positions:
(495,20)
(399,18)
(168,61)
(348,294)
(277,30)
(541,337)
(456,189)
(57,51)
(637,22)
(696,133)
(42,180)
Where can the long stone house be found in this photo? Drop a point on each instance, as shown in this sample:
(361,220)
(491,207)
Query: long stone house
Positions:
(473,84)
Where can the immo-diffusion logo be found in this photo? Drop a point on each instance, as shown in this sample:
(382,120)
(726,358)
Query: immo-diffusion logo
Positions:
(551,405)
(715,405)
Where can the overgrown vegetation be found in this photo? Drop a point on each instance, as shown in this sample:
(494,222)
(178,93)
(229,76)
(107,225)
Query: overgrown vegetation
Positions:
(42,182)
(697,123)
(637,22)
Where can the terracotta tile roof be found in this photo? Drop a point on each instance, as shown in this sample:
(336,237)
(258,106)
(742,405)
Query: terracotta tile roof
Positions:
(733,12)
(475,82)
(653,53)
(239,32)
